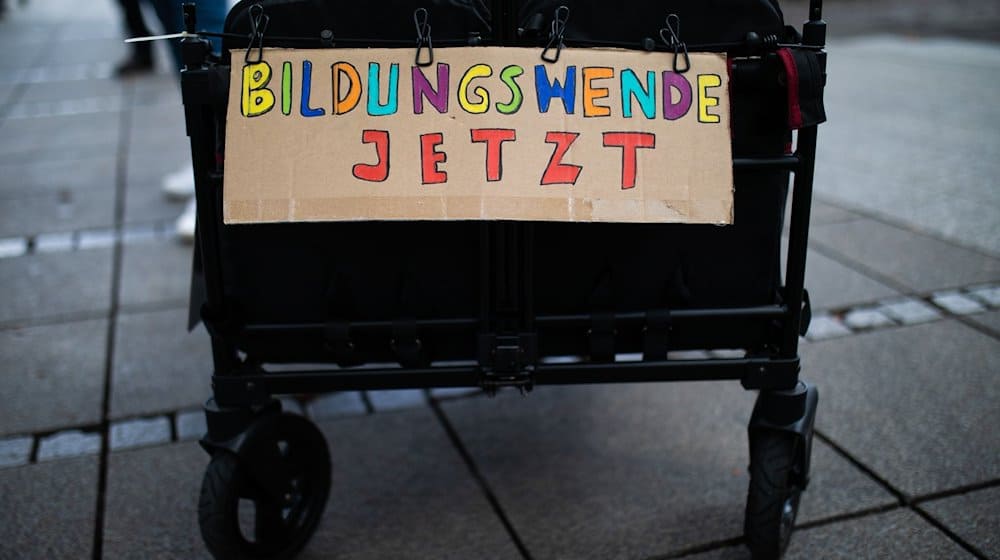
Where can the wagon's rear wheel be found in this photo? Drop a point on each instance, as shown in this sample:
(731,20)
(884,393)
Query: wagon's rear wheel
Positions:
(240,519)
(773,497)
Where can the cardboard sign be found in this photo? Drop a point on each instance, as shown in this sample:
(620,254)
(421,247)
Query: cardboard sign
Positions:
(483,133)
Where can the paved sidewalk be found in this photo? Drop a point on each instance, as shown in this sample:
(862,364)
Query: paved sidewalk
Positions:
(101,384)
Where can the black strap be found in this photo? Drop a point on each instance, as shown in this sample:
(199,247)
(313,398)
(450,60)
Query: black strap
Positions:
(656,335)
(406,345)
(602,337)
(337,339)
(811,83)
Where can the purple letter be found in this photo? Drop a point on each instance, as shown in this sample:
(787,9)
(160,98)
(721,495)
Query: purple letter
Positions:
(674,81)
(422,88)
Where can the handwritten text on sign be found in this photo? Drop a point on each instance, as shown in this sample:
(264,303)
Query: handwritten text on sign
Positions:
(483,133)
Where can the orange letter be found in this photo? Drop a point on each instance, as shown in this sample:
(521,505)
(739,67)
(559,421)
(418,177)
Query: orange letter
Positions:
(591,94)
(349,101)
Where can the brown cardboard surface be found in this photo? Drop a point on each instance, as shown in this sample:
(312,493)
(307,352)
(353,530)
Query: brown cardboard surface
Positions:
(306,157)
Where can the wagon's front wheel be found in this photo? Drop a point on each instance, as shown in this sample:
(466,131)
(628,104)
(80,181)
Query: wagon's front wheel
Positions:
(773,497)
(242,518)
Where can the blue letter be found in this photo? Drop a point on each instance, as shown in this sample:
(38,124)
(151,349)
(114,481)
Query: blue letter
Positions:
(307,111)
(547,91)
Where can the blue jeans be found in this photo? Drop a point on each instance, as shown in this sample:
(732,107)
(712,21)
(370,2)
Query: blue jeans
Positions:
(211,17)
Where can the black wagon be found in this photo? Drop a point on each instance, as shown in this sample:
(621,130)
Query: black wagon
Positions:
(489,304)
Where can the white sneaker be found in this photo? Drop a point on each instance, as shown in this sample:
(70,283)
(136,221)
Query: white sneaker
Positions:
(186,222)
(179,184)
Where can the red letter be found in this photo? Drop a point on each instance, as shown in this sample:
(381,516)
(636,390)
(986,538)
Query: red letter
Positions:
(494,138)
(558,173)
(430,158)
(380,171)
(629,142)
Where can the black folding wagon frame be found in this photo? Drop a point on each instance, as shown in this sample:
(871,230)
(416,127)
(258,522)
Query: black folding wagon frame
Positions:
(507,343)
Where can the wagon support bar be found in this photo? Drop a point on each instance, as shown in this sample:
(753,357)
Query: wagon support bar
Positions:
(754,373)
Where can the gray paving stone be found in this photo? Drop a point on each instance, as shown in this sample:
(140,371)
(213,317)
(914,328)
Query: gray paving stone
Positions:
(396,399)
(55,285)
(915,404)
(824,212)
(29,177)
(990,295)
(889,169)
(288,404)
(191,425)
(145,200)
(336,404)
(49,510)
(836,486)
(957,303)
(57,211)
(72,89)
(152,503)
(866,318)
(921,262)
(894,534)
(824,326)
(51,376)
(55,242)
(15,451)
(13,247)
(159,366)
(72,443)
(974,517)
(832,285)
(60,138)
(140,432)
(909,311)
(156,272)
(989,320)
(401,491)
(97,239)
(455,392)
(633,471)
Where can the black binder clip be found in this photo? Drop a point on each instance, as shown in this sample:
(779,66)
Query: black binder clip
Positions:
(421,21)
(556,35)
(258,25)
(673,28)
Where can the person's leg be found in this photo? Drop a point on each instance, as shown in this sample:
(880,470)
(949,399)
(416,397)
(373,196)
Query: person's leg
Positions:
(141,57)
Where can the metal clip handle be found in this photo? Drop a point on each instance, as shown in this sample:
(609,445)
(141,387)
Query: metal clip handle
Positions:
(556,35)
(421,20)
(673,28)
(258,25)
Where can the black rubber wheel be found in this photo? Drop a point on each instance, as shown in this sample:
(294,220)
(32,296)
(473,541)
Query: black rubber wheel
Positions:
(238,520)
(773,497)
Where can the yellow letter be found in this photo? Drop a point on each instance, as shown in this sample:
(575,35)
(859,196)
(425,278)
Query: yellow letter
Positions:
(477,71)
(705,101)
(257,99)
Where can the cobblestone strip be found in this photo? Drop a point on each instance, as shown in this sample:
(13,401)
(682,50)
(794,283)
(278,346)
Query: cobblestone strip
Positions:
(101,238)
(905,310)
